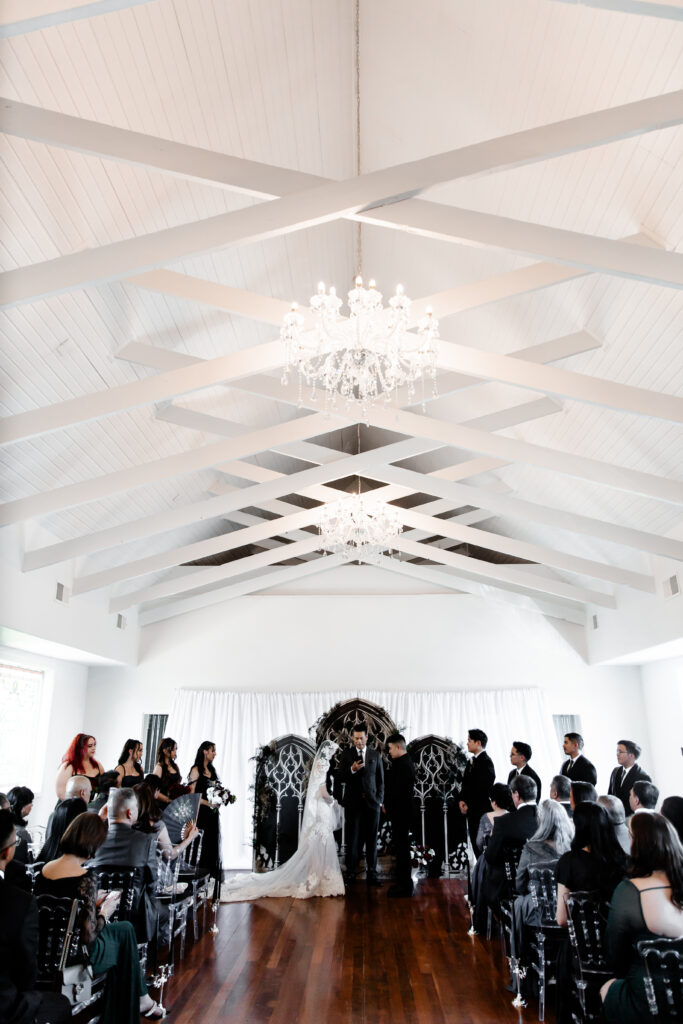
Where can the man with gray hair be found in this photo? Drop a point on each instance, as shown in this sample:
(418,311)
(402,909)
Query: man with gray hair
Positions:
(79,785)
(615,813)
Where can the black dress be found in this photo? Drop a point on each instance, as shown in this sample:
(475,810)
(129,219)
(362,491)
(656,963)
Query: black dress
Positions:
(167,780)
(128,781)
(208,821)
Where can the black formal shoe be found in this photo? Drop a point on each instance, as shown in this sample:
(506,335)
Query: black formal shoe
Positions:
(374,880)
(397,890)
(350,879)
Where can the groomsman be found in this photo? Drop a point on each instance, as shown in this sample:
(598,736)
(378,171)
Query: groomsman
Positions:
(626,773)
(476,784)
(363,773)
(577,768)
(520,755)
(399,800)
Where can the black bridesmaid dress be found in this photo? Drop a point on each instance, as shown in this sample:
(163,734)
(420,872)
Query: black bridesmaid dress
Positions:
(208,820)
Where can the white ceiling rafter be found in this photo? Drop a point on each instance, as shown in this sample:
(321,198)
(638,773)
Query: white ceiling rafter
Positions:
(332,200)
(22,16)
(648,8)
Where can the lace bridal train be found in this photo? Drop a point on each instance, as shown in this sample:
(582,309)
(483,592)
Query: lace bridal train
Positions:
(314,869)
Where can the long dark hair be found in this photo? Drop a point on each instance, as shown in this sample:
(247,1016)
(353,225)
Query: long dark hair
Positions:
(148,811)
(672,809)
(655,846)
(62,816)
(165,747)
(128,748)
(594,830)
(500,792)
(199,759)
(19,797)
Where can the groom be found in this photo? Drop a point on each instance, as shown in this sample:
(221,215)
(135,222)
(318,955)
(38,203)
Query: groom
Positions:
(363,773)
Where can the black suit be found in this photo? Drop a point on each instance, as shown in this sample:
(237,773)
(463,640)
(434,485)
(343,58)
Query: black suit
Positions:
(363,798)
(515,827)
(623,789)
(477,783)
(399,806)
(19,1002)
(582,770)
(125,847)
(528,770)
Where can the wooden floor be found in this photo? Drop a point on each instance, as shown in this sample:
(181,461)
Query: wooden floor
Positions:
(364,959)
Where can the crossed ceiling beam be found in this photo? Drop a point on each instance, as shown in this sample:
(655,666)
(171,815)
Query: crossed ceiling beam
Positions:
(332,200)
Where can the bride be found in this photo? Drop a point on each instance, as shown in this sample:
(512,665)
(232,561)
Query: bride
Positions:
(314,869)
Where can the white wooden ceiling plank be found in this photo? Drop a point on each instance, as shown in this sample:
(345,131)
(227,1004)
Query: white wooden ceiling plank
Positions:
(672,9)
(268,580)
(472,227)
(336,199)
(20,17)
(531,552)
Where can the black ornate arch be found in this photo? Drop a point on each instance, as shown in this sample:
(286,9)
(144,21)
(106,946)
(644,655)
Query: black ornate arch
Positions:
(438,823)
(337,724)
(280,781)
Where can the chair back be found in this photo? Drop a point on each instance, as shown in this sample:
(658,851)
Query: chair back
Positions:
(587,920)
(129,880)
(511,851)
(36,835)
(543,891)
(192,853)
(58,940)
(663,961)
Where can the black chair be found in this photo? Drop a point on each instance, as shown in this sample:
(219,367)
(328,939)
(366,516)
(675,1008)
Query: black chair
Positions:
(547,936)
(663,963)
(587,921)
(130,882)
(63,964)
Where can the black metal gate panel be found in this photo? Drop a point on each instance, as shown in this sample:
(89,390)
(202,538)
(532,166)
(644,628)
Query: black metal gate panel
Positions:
(281,779)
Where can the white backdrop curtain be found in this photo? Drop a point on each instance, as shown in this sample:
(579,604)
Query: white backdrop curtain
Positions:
(241,723)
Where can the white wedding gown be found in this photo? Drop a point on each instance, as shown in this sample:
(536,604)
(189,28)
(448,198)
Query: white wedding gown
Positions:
(314,869)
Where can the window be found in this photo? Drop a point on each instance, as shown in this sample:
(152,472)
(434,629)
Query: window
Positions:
(24,712)
(153,732)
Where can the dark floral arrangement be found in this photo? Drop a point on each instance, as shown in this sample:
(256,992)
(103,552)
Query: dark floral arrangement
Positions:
(177,789)
(385,840)
(421,856)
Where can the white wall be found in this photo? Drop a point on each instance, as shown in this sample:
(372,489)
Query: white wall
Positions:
(66,692)
(663,695)
(414,643)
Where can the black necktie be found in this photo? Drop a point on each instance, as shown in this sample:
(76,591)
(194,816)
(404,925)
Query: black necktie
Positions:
(623,776)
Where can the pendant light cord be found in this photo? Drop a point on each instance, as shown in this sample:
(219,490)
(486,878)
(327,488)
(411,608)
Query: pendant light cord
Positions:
(359,237)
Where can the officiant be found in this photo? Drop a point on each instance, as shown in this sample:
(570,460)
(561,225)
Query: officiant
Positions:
(399,801)
(362,772)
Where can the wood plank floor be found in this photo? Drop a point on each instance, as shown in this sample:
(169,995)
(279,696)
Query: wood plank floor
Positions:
(364,959)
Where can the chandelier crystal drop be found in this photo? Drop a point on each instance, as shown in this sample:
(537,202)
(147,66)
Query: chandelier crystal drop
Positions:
(364,357)
(358,527)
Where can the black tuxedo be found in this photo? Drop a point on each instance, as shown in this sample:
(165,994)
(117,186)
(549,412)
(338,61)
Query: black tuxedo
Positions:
(399,804)
(583,770)
(477,784)
(363,798)
(125,847)
(623,789)
(19,1002)
(528,770)
(515,827)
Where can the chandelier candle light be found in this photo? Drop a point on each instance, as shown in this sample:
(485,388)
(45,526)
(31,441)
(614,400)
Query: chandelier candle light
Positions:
(358,527)
(363,357)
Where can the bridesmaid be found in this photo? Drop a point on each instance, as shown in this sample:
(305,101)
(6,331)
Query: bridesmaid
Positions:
(166,769)
(79,760)
(202,775)
(129,769)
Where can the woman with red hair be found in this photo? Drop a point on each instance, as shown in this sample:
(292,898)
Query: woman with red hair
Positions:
(79,760)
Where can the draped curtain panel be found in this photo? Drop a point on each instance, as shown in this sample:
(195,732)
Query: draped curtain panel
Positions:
(241,723)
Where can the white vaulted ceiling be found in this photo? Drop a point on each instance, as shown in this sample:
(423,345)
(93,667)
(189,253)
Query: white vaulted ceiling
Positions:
(273,83)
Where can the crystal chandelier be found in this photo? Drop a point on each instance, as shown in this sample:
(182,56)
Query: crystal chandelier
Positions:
(358,527)
(365,356)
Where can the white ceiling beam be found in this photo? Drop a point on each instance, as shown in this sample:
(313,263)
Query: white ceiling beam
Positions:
(453,581)
(20,17)
(332,200)
(163,469)
(276,578)
(194,551)
(672,9)
(103,140)
(506,505)
(531,552)
(214,574)
(506,574)
(488,230)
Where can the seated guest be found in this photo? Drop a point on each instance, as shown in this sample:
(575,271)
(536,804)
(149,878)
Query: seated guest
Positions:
(21,803)
(20,1003)
(595,862)
(582,793)
(78,785)
(560,790)
(648,905)
(60,819)
(149,821)
(108,781)
(125,847)
(129,770)
(643,797)
(111,947)
(672,808)
(15,870)
(79,760)
(501,803)
(552,838)
(626,773)
(577,768)
(615,813)
(520,755)
(507,830)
